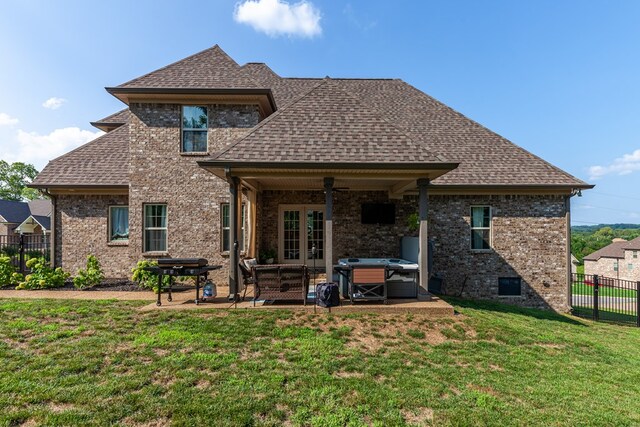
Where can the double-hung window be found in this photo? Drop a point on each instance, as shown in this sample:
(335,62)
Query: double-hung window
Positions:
(225,241)
(480,227)
(194,129)
(155,228)
(118,223)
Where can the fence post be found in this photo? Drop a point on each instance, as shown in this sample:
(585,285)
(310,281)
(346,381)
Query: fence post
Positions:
(21,258)
(638,303)
(596,290)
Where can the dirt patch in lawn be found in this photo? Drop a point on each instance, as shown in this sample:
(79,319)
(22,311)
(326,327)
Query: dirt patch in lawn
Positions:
(420,416)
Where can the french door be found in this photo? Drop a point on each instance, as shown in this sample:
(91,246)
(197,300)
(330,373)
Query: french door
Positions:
(299,228)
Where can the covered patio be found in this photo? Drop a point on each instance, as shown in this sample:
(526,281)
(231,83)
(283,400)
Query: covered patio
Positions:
(324,201)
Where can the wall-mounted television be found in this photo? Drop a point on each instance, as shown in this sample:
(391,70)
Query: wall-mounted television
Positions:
(378,213)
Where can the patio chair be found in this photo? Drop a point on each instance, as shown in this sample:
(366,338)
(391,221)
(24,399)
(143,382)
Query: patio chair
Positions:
(281,282)
(246,265)
(368,283)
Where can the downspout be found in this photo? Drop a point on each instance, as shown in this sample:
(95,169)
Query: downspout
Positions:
(567,210)
(53,234)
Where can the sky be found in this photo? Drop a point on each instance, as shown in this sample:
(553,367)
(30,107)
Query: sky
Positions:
(558,78)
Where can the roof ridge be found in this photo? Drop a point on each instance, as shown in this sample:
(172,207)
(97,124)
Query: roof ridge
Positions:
(263,123)
(215,47)
(381,116)
(459,114)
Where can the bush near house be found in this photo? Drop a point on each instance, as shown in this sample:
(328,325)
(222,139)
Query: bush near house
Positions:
(42,276)
(92,276)
(8,274)
(147,279)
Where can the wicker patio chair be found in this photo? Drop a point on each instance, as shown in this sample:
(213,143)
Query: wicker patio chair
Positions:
(281,282)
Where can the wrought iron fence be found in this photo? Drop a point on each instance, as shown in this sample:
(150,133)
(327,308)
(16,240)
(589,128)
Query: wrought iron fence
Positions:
(22,247)
(605,298)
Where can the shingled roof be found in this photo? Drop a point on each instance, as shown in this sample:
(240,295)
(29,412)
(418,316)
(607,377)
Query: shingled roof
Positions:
(327,124)
(101,162)
(113,121)
(209,69)
(614,250)
(327,119)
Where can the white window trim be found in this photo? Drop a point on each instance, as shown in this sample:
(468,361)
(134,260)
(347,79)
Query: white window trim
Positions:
(490,228)
(109,239)
(243,242)
(183,129)
(145,228)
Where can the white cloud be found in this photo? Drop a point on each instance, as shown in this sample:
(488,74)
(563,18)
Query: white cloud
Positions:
(624,165)
(7,120)
(53,103)
(278,17)
(31,147)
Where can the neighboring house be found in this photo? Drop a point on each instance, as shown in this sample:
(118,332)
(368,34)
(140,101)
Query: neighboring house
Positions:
(620,260)
(31,217)
(210,152)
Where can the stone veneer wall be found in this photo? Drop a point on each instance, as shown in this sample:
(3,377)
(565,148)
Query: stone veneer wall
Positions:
(159,173)
(81,229)
(529,240)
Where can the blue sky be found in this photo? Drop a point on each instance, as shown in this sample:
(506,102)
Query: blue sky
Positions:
(559,78)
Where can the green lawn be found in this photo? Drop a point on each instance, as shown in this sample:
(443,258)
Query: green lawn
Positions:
(604,291)
(106,363)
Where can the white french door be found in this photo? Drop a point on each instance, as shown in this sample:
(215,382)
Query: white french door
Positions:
(299,228)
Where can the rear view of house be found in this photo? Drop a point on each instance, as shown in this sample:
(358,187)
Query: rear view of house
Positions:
(213,159)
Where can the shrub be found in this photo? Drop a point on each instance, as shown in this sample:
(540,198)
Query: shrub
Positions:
(10,250)
(34,253)
(147,279)
(42,276)
(8,275)
(92,276)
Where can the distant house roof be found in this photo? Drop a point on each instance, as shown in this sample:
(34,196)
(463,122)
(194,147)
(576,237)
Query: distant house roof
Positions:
(633,245)
(27,226)
(614,250)
(14,212)
(351,118)
(18,212)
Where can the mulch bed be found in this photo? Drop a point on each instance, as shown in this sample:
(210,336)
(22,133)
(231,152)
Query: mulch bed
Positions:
(115,285)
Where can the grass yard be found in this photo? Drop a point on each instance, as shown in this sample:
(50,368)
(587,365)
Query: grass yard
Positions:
(84,363)
(578,288)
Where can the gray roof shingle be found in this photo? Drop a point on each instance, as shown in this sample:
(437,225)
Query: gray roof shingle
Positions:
(13,211)
(327,124)
(101,162)
(209,69)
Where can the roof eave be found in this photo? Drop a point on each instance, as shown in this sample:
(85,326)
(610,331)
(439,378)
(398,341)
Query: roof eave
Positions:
(124,93)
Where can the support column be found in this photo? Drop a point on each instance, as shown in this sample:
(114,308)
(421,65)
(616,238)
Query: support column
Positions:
(328,228)
(234,209)
(423,246)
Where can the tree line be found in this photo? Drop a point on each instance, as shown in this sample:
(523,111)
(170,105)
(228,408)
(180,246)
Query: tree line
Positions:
(588,239)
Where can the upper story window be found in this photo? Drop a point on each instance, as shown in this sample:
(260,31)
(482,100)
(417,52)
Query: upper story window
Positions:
(635,254)
(118,223)
(480,227)
(194,129)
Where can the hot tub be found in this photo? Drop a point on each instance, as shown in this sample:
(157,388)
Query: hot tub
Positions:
(403,282)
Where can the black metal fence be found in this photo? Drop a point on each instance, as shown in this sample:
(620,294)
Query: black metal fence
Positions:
(20,248)
(606,298)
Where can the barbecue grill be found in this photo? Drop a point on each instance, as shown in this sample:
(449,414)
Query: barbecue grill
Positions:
(174,267)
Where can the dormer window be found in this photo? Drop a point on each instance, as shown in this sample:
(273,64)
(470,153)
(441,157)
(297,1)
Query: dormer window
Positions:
(194,129)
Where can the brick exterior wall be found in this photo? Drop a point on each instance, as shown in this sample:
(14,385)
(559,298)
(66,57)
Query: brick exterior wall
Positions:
(529,240)
(159,173)
(605,267)
(81,224)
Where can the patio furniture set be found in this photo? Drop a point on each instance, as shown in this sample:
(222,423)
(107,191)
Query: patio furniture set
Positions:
(361,279)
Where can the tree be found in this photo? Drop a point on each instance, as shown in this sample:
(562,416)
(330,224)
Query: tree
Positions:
(14,178)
